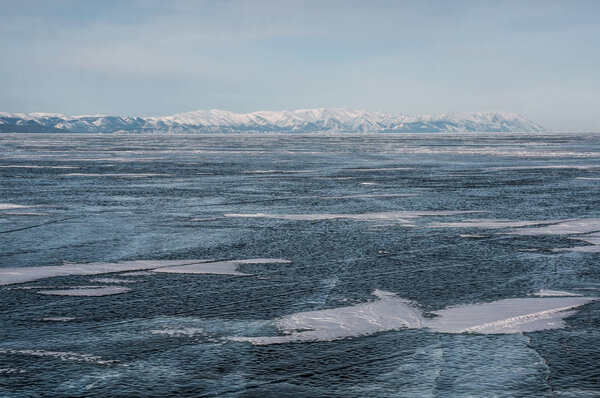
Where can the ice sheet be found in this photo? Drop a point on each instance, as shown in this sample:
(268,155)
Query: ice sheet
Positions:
(87,291)
(390,312)
(10,276)
(220,267)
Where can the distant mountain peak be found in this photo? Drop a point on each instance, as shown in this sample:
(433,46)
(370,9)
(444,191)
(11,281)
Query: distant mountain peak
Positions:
(299,121)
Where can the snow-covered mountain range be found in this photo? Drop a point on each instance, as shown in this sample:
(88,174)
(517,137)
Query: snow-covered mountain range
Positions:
(299,121)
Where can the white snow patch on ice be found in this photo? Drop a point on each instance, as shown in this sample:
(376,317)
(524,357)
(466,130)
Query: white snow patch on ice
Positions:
(507,316)
(9,371)
(563,227)
(395,216)
(87,291)
(381,169)
(18,166)
(112,280)
(554,293)
(390,312)
(182,332)
(59,319)
(13,275)
(124,175)
(10,206)
(489,223)
(229,267)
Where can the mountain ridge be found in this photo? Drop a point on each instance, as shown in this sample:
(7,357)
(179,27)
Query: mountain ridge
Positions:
(335,120)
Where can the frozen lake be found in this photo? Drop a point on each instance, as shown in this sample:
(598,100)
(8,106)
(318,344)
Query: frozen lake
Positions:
(407,265)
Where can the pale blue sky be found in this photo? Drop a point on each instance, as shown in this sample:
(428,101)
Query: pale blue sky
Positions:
(537,58)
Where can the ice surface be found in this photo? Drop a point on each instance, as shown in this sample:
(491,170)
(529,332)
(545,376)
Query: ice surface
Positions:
(220,267)
(87,291)
(390,312)
(62,355)
(395,216)
(10,276)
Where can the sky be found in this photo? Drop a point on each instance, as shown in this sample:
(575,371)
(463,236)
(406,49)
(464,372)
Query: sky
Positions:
(540,59)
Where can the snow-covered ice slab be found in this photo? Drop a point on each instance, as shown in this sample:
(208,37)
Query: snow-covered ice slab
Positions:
(390,312)
(87,291)
(13,275)
(395,216)
(507,316)
(220,267)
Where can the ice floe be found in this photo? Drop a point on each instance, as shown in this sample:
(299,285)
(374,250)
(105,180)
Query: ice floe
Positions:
(229,267)
(62,355)
(86,291)
(390,312)
(13,275)
(395,216)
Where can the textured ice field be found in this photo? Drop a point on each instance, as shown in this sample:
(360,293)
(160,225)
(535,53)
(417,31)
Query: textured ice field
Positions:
(413,265)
